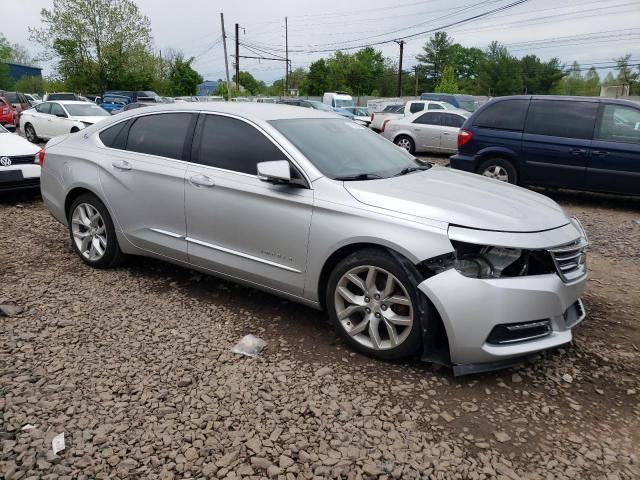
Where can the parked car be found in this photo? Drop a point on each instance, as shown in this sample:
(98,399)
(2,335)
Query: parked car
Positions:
(19,162)
(458,100)
(97,99)
(409,108)
(240,99)
(316,105)
(136,96)
(32,99)
(50,119)
(17,100)
(209,98)
(338,99)
(133,106)
(265,100)
(568,142)
(406,258)
(360,115)
(7,114)
(50,97)
(344,113)
(426,132)
(114,103)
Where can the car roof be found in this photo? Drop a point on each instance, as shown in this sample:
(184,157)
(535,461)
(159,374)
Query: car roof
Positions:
(250,110)
(70,102)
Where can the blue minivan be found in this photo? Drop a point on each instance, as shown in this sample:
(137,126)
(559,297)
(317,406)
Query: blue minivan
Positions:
(581,143)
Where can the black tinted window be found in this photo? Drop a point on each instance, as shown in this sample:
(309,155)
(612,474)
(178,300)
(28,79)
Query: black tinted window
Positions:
(435,106)
(503,115)
(432,118)
(163,135)
(109,136)
(234,145)
(416,107)
(56,109)
(12,97)
(449,120)
(571,119)
(619,123)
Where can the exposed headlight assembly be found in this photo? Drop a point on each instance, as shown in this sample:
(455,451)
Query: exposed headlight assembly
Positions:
(478,261)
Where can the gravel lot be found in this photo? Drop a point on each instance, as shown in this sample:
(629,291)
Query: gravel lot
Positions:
(134,366)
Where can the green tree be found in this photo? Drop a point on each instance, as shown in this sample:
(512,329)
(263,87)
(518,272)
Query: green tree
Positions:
(6,82)
(99,44)
(466,62)
(447,83)
(221,90)
(317,79)
(183,79)
(626,75)
(437,55)
(540,77)
(298,78)
(499,73)
(253,86)
(31,85)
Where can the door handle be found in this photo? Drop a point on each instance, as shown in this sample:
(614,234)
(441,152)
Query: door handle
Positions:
(445,133)
(416,129)
(600,153)
(121,165)
(577,151)
(202,181)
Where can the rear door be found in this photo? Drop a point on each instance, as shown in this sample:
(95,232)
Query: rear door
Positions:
(556,143)
(427,131)
(38,117)
(451,124)
(614,165)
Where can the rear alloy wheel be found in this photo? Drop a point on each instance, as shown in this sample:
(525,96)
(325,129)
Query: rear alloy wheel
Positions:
(372,303)
(405,143)
(92,233)
(30,133)
(499,169)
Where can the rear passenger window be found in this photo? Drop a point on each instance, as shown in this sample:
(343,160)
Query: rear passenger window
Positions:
(163,134)
(416,107)
(109,136)
(503,115)
(429,119)
(559,118)
(449,120)
(619,124)
(435,106)
(235,145)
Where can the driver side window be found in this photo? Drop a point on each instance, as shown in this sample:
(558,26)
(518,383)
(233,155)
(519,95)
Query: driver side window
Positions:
(56,109)
(44,108)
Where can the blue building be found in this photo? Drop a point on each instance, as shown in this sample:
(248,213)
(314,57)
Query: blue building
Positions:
(207,88)
(17,71)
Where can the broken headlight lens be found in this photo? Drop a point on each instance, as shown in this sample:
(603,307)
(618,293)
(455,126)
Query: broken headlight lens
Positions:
(476,261)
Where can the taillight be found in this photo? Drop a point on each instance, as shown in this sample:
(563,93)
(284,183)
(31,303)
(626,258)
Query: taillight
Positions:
(5,111)
(384,124)
(372,115)
(463,137)
(41,157)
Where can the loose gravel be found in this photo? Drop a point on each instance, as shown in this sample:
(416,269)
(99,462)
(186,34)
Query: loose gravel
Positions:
(134,366)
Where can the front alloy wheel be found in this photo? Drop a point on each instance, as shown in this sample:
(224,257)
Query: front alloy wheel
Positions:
(372,302)
(89,232)
(497,172)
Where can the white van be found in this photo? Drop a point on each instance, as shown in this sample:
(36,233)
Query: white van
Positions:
(338,99)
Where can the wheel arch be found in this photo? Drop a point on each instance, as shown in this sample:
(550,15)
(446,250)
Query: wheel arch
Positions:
(498,152)
(75,193)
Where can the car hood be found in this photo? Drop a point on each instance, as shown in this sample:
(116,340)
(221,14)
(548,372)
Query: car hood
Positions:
(90,120)
(12,145)
(461,198)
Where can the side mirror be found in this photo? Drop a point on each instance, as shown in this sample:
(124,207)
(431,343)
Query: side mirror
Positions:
(61,115)
(277,171)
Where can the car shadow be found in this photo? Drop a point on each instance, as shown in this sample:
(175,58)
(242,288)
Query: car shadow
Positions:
(590,199)
(20,196)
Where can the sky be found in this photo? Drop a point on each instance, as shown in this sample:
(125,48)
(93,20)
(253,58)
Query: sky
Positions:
(592,32)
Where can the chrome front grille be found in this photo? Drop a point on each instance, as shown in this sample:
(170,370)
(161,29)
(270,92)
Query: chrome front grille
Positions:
(570,260)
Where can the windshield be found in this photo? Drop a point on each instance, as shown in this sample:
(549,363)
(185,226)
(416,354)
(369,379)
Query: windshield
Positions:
(149,94)
(343,103)
(320,106)
(88,110)
(362,112)
(62,96)
(118,100)
(467,103)
(342,148)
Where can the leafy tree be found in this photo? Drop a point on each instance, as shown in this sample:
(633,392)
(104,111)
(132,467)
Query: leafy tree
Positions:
(99,44)
(31,85)
(6,82)
(499,73)
(626,75)
(253,86)
(221,90)
(466,62)
(318,78)
(540,77)
(447,83)
(184,79)
(298,78)
(437,55)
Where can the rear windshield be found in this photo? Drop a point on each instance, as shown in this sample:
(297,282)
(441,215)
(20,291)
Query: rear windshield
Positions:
(62,96)
(12,97)
(88,110)
(467,103)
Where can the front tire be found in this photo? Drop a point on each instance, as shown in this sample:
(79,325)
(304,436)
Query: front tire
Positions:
(499,169)
(92,233)
(406,143)
(30,133)
(373,305)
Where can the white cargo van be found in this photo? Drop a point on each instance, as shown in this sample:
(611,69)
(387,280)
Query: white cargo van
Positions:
(338,99)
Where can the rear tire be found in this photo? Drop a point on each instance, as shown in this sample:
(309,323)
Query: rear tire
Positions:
(92,233)
(499,169)
(405,142)
(374,305)
(30,133)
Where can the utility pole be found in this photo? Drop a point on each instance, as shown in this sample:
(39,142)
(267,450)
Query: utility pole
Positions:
(401,43)
(286,56)
(226,58)
(237,57)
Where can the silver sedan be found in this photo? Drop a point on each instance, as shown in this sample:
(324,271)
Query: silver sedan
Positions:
(408,259)
(432,131)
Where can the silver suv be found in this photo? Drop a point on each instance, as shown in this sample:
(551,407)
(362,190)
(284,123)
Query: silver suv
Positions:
(406,258)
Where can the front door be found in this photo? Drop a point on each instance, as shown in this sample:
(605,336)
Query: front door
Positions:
(237,224)
(556,143)
(144,182)
(614,165)
(58,122)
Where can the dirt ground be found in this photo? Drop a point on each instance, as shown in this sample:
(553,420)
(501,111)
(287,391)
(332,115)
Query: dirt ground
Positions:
(134,365)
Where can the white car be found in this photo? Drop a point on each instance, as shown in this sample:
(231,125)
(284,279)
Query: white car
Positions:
(50,119)
(19,162)
(431,131)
